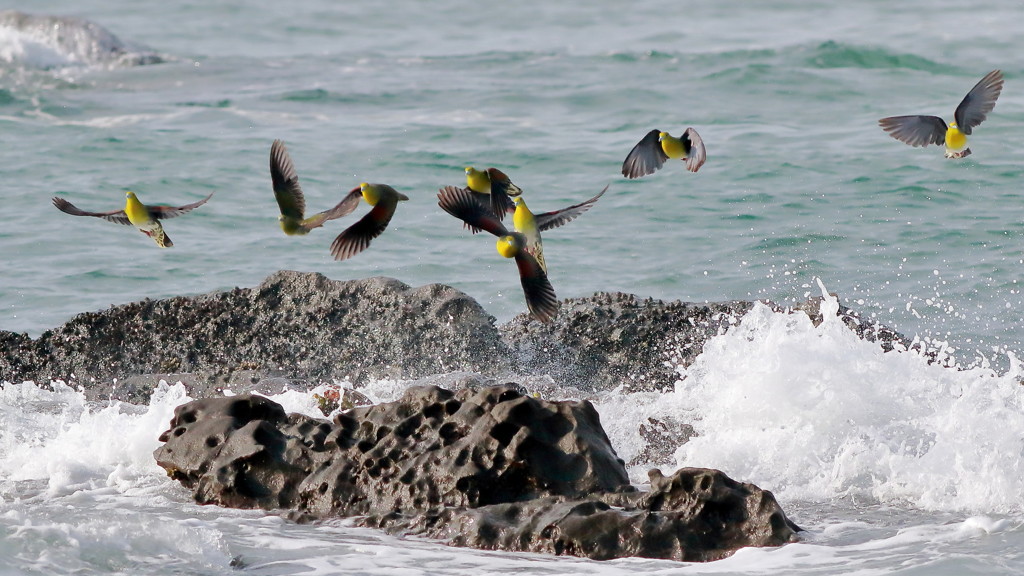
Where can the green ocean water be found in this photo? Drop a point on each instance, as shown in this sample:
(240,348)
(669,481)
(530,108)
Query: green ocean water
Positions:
(800,182)
(893,465)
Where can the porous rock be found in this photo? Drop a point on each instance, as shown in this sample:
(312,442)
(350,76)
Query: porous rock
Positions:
(485,467)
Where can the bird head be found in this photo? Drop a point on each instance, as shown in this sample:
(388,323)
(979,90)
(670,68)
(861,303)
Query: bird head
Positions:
(470,170)
(662,136)
(370,193)
(509,246)
(129,195)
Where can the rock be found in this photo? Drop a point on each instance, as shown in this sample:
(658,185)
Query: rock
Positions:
(294,326)
(298,329)
(612,339)
(59,41)
(485,467)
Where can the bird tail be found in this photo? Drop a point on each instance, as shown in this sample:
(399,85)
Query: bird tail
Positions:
(163,240)
(159,236)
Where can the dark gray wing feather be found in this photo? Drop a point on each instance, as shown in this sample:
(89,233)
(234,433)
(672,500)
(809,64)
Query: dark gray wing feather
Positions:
(979,101)
(549,220)
(286,182)
(164,212)
(117,216)
(646,157)
(540,295)
(915,130)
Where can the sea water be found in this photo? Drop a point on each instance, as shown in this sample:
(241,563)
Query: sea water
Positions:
(890,463)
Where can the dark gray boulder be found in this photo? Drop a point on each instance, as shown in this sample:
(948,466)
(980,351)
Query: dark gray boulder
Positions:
(486,467)
(292,326)
(300,329)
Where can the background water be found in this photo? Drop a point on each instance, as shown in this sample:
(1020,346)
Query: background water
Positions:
(894,466)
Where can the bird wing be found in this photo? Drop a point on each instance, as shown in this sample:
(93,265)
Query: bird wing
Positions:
(117,216)
(357,237)
(549,220)
(286,183)
(165,212)
(979,102)
(347,205)
(646,157)
(501,189)
(695,152)
(915,130)
(461,203)
(540,296)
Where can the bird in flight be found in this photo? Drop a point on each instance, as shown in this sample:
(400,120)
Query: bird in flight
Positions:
(972,111)
(145,218)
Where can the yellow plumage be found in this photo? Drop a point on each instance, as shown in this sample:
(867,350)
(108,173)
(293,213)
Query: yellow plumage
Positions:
(672,146)
(477,180)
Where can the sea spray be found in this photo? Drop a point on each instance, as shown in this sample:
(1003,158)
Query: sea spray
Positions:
(813,412)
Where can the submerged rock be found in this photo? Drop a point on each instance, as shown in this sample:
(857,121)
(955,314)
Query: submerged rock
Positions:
(485,467)
(46,41)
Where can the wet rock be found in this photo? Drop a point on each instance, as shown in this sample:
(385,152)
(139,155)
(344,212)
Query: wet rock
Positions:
(484,467)
(612,339)
(661,438)
(298,329)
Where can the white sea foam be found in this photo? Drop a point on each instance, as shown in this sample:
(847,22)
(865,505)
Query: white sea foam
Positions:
(815,413)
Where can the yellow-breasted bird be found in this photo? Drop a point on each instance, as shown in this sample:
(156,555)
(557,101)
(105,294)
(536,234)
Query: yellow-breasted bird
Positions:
(135,213)
(540,296)
(291,200)
(545,220)
(656,147)
(496,185)
(925,130)
(357,237)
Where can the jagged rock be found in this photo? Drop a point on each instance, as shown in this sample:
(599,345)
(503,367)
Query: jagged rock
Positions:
(483,467)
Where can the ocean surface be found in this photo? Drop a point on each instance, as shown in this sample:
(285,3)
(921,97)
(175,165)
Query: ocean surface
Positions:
(893,466)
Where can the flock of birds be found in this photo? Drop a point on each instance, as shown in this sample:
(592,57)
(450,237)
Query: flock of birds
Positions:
(490,195)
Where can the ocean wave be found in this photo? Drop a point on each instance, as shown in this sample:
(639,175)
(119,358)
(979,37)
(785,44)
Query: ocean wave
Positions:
(817,414)
(53,42)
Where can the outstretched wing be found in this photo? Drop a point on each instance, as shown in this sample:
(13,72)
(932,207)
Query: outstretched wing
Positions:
(695,152)
(117,216)
(343,208)
(357,237)
(979,102)
(540,296)
(549,220)
(165,212)
(646,157)
(286,183)
(915,130)
(461,203)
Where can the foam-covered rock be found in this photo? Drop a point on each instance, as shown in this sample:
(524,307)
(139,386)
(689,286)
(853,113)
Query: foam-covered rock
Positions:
(486,467)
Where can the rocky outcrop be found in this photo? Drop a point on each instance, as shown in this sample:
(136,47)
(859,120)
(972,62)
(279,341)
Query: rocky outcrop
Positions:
(292,326)
(300,329)
(487,467)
